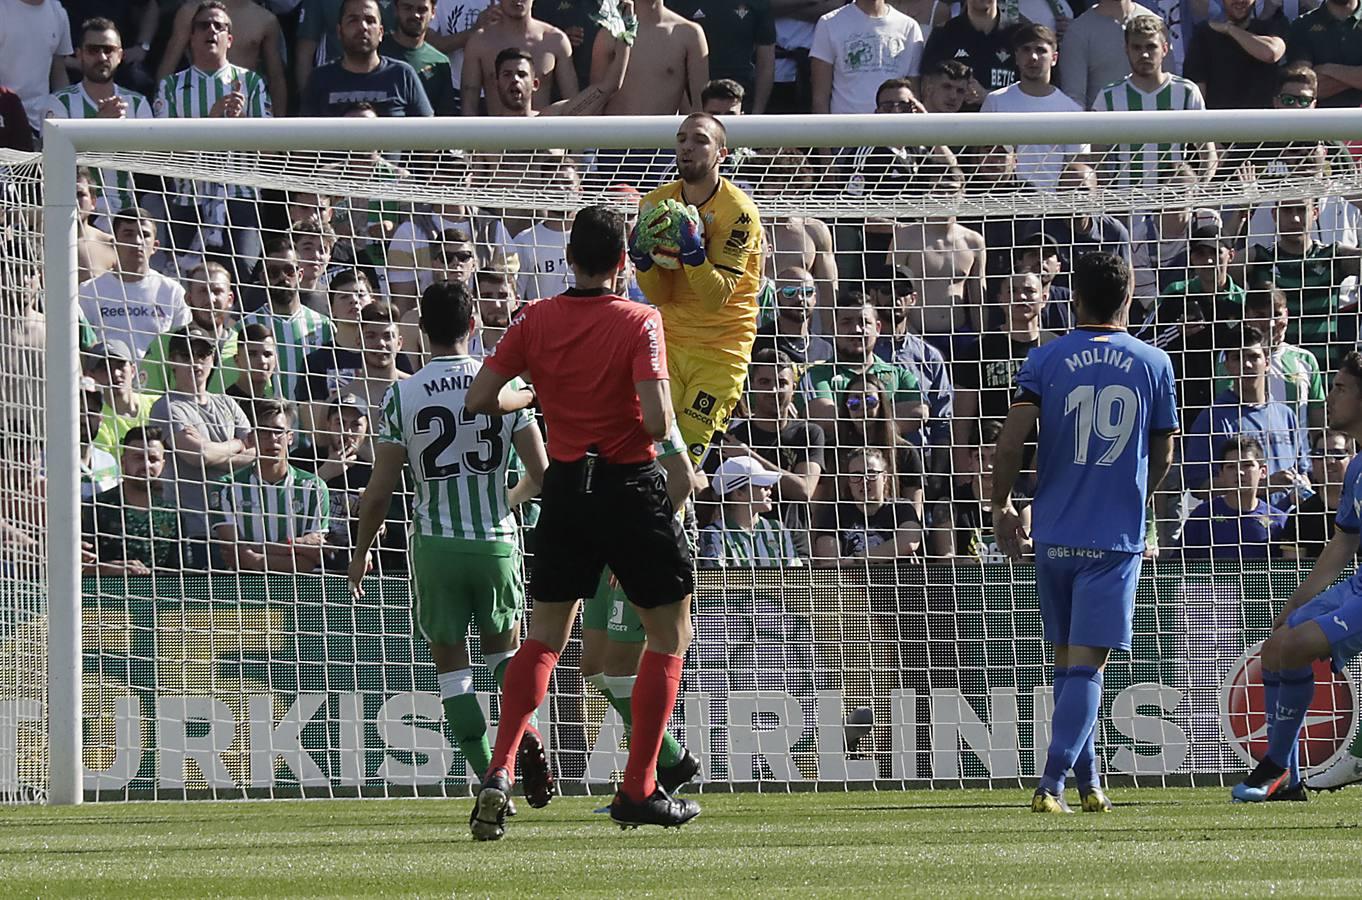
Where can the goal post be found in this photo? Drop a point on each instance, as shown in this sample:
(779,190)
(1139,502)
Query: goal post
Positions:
(935,709)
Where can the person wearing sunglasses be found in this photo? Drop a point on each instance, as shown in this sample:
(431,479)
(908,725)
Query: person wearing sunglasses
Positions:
(873,525)
(1234,60)
(1312,522)
(789,332)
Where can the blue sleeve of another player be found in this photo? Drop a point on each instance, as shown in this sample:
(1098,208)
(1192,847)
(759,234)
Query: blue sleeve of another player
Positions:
(1347,518)
(1028,380)
(1165,418)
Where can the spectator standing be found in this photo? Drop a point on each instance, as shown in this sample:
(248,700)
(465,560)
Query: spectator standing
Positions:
(894,171)
(981,37)
(133,303)
(124,407)
(96,96)
(855,49)
(35,39)
(1159,243)
(94,248)
(946,261)
(744,536)
(454,24)
(542,248)
(1149,87)
(873,525)
(256,45)
(1093,52)
(516,27)
(1034,53)
(669,67)
(1312,522)
(382,348)
(1040,253)
(270,516)
(211,300)
(1086,231)
(795,21)
(1234,60)
(1236,523)
(389,86)
(791,448)
(205,216)
(205,434)
(410,44)
(985,374)
(131,528)
(741,37)
(297,329)
(1326,37)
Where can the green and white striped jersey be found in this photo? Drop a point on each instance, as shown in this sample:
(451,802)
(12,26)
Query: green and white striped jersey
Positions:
(767,544)
(1293,377)
(272,513)
(191,94)
(1146,164)
(295,336)
(116,189)
(458,459)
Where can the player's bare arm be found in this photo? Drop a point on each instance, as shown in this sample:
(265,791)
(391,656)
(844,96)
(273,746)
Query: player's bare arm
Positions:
(1007,463)
(529,446)
(655,400)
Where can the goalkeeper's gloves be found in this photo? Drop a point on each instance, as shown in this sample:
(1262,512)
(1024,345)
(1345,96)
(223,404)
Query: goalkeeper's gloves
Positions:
(692,242)
(642,259)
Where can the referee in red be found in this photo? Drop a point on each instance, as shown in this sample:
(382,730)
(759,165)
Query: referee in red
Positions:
(599,364)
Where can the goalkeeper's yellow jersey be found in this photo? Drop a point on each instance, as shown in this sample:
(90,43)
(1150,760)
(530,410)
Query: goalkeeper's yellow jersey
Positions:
(713,305)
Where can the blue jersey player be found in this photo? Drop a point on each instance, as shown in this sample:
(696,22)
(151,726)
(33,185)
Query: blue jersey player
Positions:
(1319,621)
(1107,416)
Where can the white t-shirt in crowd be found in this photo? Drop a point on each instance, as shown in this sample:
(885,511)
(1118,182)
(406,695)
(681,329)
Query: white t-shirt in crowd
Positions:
(791,34)
(452,17)
(1038,164)
(544,270)
(29,37)
(864,52)
(134,312)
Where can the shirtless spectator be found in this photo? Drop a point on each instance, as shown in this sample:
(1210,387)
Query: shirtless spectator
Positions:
(803,242)
(95,253)
(255,45)
(946,262)
(455,23)
(516,27)
(669,67)
(855,49)
(518,89)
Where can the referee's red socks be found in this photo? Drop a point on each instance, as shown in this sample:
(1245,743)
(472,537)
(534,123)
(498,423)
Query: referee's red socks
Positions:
(659,678)
(524,688)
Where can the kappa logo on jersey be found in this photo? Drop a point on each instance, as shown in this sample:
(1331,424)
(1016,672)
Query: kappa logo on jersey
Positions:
(1329,722)
(744,219)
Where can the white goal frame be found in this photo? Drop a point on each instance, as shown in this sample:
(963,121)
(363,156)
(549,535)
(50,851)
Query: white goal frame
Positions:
(65,139)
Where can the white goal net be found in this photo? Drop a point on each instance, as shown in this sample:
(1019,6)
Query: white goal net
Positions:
(859,627)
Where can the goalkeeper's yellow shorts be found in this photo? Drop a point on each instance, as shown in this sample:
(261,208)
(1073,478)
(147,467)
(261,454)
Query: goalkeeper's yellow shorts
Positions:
(706,385)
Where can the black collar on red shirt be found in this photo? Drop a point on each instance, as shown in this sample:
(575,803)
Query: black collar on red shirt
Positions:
(587,292)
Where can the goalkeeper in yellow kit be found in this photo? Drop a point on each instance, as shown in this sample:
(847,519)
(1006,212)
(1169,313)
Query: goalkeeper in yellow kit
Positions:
(697,250)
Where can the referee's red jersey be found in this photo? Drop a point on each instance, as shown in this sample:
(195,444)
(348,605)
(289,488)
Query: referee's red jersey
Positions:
(584,351)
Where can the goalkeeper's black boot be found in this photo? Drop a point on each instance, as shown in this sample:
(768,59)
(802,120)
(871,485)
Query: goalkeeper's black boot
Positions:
(659,809)
(532,765)
(670,778)
(488,821)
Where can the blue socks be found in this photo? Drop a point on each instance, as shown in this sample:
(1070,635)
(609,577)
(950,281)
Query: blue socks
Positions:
(1077,702)
(1286,708)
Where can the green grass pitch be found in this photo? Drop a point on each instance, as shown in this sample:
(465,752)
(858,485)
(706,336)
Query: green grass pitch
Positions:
(1179,842)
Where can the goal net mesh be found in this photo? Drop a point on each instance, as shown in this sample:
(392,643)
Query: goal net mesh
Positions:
(868,633)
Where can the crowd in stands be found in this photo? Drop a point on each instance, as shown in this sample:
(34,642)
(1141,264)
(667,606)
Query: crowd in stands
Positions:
(238,342)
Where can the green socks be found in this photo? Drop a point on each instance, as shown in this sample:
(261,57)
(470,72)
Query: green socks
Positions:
(466,720)
(619,690)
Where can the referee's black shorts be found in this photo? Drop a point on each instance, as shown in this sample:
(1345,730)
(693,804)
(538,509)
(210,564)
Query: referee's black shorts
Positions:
(626,521)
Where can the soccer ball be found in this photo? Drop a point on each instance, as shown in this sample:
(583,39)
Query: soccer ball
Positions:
(666,235)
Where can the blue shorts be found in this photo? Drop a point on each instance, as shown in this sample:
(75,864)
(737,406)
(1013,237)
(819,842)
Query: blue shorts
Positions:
(1338,612)
(1087,597)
